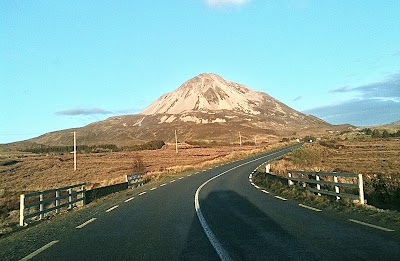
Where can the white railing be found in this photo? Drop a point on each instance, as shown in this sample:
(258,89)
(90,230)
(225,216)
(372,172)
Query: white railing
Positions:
(135,180)
(63,197)
(332,188)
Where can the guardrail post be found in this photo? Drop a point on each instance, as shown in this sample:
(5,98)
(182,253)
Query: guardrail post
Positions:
(70,198)
(318,185)
(41,208)
(83,194)
(337,190)
(267,168)
(22,210)
(57,201)
(361,188)
(290,182)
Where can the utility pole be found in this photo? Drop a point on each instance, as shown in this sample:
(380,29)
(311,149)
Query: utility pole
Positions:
(240,139)
(74,150)
(176,142)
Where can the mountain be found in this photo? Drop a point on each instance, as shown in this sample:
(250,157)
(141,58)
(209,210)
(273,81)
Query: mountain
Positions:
(206,108)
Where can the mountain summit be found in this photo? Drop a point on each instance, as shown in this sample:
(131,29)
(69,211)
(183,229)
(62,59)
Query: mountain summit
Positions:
(206,108)
(210,92)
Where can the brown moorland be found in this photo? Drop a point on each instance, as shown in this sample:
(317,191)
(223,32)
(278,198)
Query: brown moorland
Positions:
(22,173)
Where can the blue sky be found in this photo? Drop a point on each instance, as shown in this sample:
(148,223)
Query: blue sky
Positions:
(65,64)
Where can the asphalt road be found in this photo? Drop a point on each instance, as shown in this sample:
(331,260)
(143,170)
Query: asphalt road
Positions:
(212,215)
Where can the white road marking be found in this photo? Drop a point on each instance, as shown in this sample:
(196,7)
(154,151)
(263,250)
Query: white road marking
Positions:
(129,199)
(311,208)
(371,225)
(181,178)
(263,190)
(252,183)
(257,187)
(189,175)
(141,194)
(162,185)
(172,181)
(153,188)
(86,223)
(278,197)
(222,253)
(35,253)
(111,209)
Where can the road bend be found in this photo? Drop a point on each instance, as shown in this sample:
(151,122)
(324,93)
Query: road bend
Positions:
(211,215)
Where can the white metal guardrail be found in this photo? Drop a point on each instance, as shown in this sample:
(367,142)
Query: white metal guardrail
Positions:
(46,202)
(329,182)
(135,180)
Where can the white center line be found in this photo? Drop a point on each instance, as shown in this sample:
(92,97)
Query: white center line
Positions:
(257,187)
(172,181)
(144,192)
(371,225)
(129,199)
(87,222)
(111,209)
(265,191)
(181,178)
(311,208)
(162,185)
(153,188)
(189,175)
(35,253)
(278,197)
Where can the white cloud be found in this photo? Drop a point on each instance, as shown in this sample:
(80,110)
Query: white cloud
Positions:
(222,3)
(82,111)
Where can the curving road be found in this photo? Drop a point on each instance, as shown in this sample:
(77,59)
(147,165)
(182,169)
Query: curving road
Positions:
(212,215)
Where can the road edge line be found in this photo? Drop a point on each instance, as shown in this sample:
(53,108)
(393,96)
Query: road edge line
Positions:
(40,250)
(371,225)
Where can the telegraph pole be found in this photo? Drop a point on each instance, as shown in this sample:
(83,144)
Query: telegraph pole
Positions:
(74,150)
(176,142)
(240,139)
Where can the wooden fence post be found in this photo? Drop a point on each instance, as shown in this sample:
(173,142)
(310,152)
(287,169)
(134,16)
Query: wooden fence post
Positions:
(337,190)
(290,182)
(70,198)
(361,188)
(41,208)
(318,185)
(22,210)
(83,194)
(57,201)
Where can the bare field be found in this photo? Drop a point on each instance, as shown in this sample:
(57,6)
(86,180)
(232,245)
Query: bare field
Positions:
(368,157)
(22,173)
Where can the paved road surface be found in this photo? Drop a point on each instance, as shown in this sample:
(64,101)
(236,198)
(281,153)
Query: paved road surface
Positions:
(243,223)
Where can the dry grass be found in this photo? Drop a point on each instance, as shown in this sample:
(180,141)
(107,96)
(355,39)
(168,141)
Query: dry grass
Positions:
(369,157)
(22,173)
(376,159)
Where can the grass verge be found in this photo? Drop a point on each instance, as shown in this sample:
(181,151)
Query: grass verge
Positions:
(344,207)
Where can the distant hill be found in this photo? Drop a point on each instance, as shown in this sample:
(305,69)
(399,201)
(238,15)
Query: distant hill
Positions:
(206,108)
(395,124)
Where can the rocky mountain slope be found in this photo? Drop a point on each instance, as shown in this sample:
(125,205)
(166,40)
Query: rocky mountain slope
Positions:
(206,108)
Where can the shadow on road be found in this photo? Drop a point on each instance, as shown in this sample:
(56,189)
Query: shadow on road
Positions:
(244,231)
